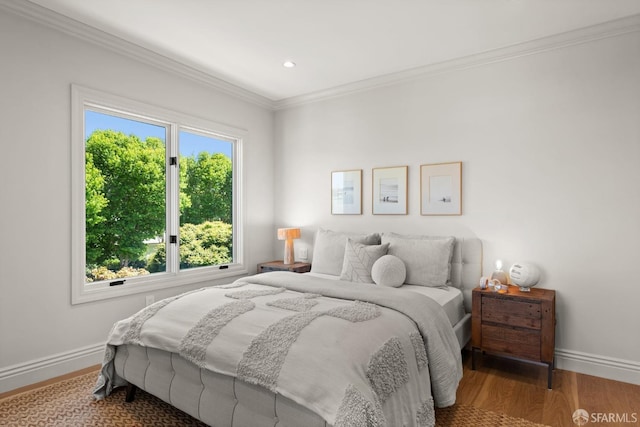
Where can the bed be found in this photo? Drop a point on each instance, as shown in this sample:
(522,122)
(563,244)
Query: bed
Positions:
(318,349)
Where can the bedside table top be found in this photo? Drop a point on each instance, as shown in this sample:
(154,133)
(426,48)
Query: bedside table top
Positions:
(514,292)
(280,263)
(296,267)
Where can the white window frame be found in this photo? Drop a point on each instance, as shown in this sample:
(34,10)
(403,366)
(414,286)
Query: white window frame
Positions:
(83,98)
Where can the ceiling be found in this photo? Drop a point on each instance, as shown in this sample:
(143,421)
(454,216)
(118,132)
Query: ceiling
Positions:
(333,42)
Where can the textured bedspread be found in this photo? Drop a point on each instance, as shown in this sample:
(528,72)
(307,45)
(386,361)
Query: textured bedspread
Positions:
(356,354)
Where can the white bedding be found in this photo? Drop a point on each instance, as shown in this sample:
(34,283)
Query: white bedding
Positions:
(451,299)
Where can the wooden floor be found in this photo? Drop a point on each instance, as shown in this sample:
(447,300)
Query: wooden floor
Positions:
(519,389)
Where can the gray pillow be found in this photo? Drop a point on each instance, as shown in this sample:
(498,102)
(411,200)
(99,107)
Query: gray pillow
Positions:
(358,260)
(329,246)
(426,258)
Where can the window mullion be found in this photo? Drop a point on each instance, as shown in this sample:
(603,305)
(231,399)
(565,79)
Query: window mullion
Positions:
(173,200)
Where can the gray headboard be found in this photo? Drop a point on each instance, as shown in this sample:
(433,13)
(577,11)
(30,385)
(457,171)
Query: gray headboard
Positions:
(466,267)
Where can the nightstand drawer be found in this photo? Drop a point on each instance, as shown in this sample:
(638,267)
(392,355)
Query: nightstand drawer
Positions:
(514,313)
(517,342)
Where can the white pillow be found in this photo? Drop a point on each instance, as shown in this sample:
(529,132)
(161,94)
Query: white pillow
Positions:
(358,260)
(426,258)
(328,249)
(389,270)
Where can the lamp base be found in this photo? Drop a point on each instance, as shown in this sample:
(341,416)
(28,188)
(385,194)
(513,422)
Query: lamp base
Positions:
(288,252)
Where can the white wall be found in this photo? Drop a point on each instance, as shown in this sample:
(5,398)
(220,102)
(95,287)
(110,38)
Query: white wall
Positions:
(550,145)
(41,333)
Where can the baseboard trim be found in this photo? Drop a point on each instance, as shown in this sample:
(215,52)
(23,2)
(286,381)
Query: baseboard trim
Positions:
(600,366)
(34,371)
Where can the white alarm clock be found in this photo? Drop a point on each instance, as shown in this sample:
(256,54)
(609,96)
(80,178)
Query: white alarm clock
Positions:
(525,275)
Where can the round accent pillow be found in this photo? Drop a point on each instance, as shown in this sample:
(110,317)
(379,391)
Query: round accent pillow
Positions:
(389,270)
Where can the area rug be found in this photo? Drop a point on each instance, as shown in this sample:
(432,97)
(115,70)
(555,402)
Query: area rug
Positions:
(463,415)
(69,403)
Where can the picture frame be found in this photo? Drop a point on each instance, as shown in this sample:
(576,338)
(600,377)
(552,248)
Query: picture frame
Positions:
(441,189)
(390,190)
(346,192)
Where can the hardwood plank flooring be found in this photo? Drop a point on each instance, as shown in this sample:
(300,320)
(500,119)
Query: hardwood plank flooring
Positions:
(519,389)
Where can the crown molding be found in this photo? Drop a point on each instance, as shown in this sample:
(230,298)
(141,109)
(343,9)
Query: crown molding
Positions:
(558,41)
(183,68)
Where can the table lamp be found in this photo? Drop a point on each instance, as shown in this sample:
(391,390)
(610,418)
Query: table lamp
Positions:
(288,234)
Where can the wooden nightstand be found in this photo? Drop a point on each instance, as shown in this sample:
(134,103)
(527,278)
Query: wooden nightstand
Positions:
(298,267)
(516,324)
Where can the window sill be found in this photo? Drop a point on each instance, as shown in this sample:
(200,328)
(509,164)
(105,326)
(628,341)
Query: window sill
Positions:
(89,293)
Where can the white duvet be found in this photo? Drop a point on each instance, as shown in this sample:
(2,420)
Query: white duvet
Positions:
(356,354)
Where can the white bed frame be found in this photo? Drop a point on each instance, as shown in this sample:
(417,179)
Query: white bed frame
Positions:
(224,401)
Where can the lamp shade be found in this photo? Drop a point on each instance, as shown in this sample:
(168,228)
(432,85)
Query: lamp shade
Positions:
(288,233)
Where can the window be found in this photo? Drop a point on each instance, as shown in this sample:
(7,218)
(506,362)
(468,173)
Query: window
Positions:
(156,198)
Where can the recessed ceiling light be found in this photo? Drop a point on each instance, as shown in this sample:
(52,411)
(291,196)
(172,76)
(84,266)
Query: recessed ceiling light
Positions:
(288,64)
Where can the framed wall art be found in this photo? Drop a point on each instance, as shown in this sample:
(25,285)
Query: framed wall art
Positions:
(389,192)
(346,192)
(441,189)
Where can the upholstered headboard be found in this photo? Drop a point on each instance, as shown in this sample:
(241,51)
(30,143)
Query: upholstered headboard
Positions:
(466,267)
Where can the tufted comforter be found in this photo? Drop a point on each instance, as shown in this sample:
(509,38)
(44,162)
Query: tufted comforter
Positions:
(356,354)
